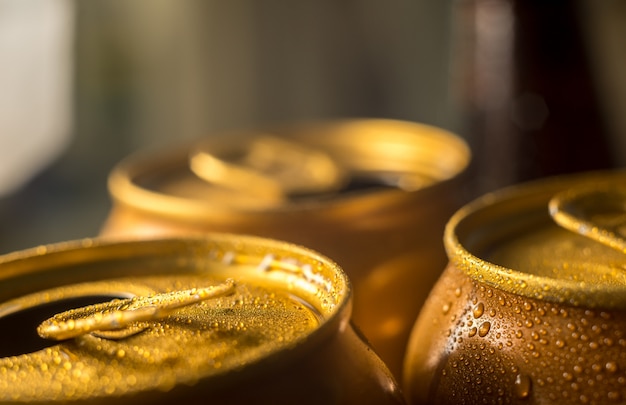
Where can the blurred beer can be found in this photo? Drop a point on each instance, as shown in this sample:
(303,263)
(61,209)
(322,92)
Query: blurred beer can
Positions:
(532,306)
(372,194)
(225,319)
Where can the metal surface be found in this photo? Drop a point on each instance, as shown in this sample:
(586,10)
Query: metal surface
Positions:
(377,204)
(225,319)
(527,311)
(268,167)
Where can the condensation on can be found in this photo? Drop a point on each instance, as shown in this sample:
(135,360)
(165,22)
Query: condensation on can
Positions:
(378,207)
(532,307)
(277,332)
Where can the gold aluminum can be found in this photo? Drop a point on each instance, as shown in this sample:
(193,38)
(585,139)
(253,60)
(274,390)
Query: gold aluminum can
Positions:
(372,194)
(225,319)
(532,306)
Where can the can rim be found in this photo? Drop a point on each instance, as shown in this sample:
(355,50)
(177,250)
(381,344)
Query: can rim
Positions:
(575,293)
(126,191)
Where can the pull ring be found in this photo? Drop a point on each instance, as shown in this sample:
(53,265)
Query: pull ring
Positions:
(598,213)
(121,318)
(268,167)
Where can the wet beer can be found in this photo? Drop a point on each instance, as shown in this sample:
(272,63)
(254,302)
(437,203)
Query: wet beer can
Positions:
(374,195)
(532,306)
(224,319)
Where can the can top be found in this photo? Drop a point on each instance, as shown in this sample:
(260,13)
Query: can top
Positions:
(290,167)
(242,302)
(557,239)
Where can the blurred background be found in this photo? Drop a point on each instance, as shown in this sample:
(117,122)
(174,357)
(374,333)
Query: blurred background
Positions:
(535,87)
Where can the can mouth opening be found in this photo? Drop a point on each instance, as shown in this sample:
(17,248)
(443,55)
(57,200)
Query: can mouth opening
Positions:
(512,217)
(19,328)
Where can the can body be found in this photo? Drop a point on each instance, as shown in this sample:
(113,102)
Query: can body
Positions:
(384,234)
(526,311)
(282,335)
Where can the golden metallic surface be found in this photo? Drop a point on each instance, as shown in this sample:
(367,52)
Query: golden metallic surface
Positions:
(124,314)
(527,311)
(540,258)
(399,183)
(231,177)
(237,319)
(267,166)
(597,212)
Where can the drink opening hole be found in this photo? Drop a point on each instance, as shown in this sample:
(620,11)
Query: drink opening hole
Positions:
(19,329)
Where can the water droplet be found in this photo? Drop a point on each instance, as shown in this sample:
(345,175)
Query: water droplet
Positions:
(472,331)
(614,396)
(446,308)
(528,306)
(131,379)
(457,292)
(479,309)
(484,329)
(523,385)
(611,367)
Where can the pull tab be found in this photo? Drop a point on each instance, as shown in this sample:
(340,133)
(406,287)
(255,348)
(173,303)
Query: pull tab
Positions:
(237,177)
(598,213)
(122,318)
(269,167)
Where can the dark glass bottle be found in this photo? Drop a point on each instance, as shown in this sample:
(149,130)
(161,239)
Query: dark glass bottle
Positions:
(528,102)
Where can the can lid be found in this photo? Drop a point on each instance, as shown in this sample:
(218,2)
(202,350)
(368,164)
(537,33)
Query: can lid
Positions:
(279,169)
(194,313)
(559,239)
